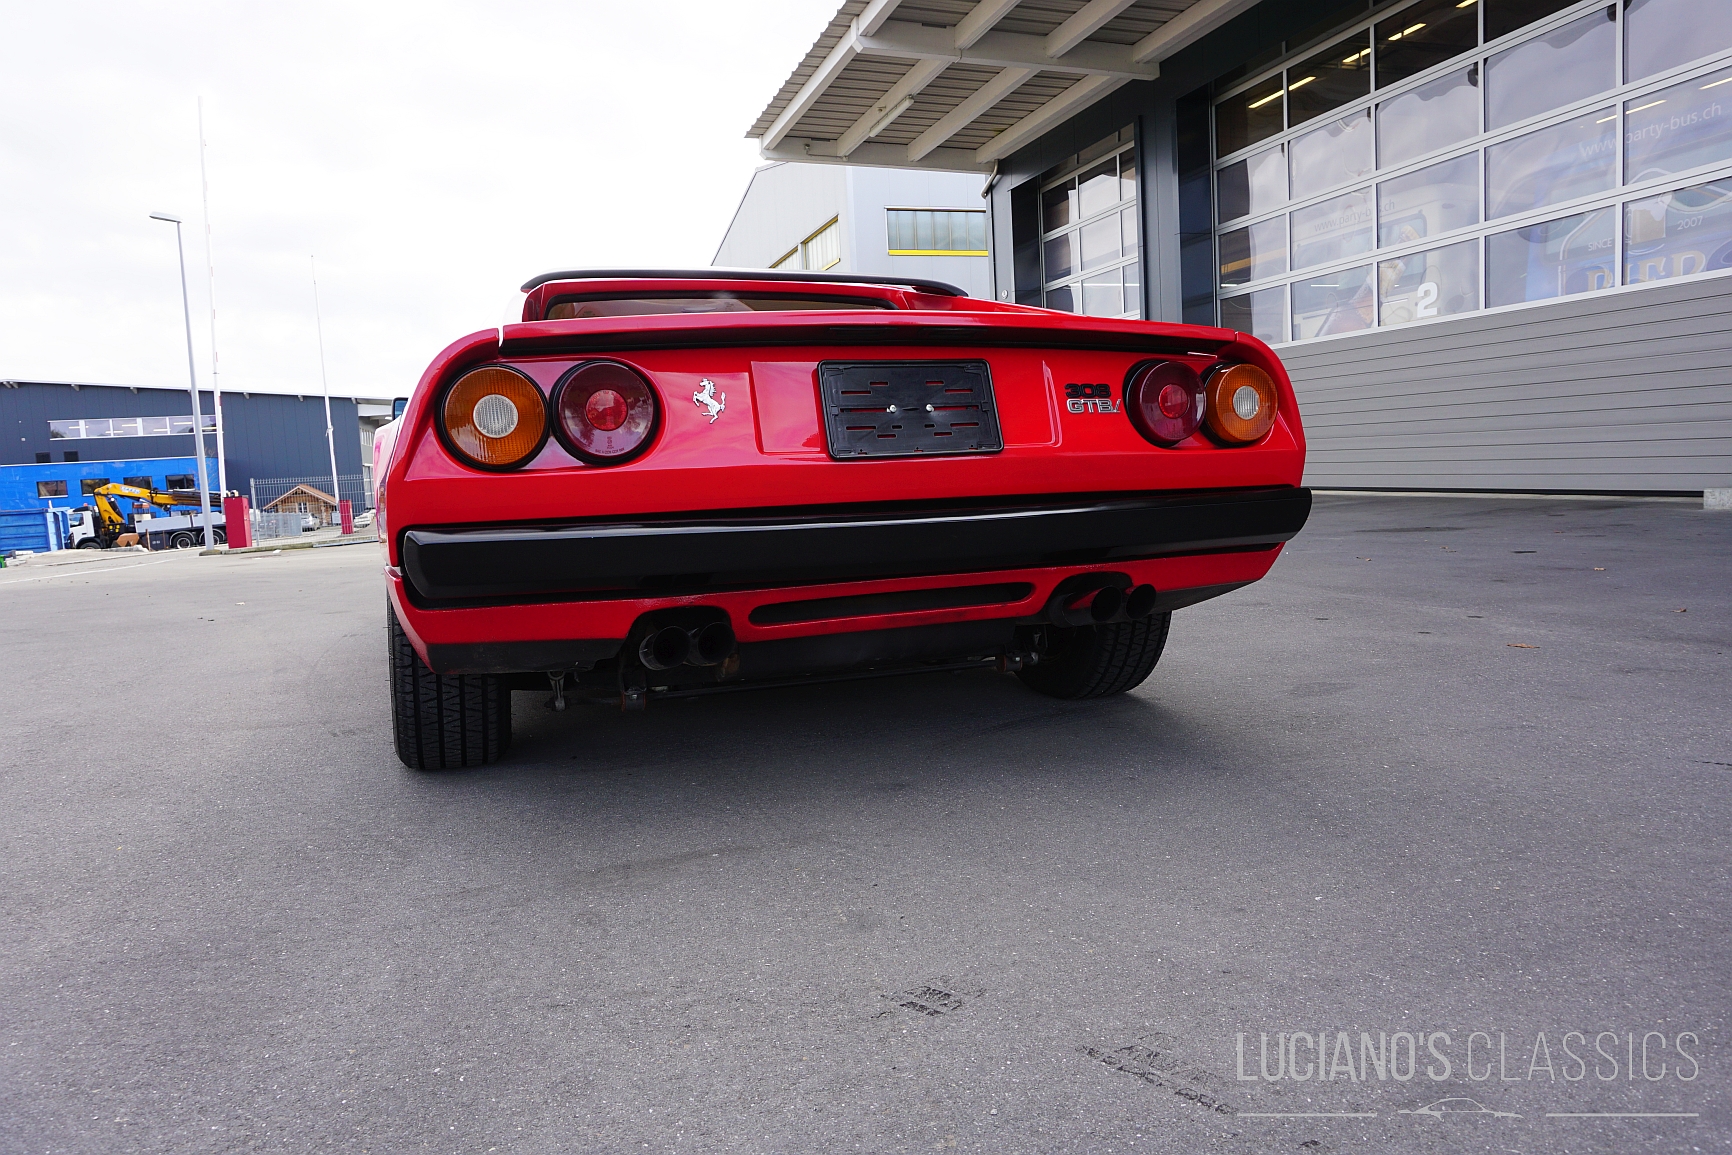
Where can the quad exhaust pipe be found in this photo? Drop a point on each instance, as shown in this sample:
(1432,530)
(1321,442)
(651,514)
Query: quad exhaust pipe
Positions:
(670,646)
(1099,604)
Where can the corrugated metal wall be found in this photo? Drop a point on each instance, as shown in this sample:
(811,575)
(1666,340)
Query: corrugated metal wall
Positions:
(1626,391)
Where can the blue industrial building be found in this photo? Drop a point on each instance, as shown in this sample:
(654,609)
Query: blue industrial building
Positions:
(58,439)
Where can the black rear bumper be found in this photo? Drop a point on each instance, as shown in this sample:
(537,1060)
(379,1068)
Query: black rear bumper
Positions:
(691,555)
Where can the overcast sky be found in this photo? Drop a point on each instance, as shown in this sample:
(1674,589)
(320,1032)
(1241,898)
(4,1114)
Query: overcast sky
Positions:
(432,155)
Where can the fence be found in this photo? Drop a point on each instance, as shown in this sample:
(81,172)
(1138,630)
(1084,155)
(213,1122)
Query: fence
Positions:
(352,487)
(274,525)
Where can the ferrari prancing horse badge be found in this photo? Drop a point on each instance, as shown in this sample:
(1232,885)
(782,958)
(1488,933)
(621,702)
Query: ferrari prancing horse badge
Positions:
(708,399)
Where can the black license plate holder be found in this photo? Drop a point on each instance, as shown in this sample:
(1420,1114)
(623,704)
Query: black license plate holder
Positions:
(908,409)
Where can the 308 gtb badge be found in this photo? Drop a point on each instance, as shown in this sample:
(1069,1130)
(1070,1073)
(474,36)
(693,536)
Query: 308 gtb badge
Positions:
(1090,398)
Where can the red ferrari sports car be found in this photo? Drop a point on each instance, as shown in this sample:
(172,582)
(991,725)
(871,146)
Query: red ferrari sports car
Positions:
(662,484)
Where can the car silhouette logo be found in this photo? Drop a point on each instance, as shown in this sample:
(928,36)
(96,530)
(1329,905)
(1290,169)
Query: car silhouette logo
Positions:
(1458,1105)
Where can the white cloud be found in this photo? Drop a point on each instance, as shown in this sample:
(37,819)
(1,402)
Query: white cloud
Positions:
(433,156)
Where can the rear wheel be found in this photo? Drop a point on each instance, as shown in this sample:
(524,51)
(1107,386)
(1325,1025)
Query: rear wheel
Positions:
(90,543)
(182,539)
(1097,661)
(444,721)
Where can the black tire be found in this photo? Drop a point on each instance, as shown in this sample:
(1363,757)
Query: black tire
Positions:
(1097,661)
(444,722)
(90,543)
(182,539)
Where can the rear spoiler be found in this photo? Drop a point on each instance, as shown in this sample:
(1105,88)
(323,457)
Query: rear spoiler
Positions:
(940,288)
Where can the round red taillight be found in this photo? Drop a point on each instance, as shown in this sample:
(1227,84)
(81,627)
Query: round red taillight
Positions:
(606,412)
(1165,401)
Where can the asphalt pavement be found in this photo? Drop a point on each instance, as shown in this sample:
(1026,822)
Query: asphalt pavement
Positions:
(1385,840)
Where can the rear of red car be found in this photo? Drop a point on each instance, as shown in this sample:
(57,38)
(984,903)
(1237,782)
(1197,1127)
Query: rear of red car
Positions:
(673,484)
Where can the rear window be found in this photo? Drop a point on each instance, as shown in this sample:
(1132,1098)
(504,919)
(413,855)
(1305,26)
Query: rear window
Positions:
(573,308)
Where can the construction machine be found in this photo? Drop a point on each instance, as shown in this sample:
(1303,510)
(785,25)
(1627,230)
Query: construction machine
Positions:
(98,528)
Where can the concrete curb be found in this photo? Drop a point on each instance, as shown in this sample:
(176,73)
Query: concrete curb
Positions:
(328,543)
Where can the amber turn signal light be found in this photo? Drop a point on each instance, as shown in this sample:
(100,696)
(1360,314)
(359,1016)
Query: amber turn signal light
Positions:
(1239,406)
(494,418)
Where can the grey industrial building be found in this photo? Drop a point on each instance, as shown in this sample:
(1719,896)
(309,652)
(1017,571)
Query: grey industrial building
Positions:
(1491,239)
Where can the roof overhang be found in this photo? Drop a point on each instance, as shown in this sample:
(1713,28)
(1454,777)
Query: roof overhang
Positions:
(961,84)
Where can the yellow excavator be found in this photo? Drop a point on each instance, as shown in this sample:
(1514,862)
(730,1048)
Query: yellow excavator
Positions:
(98,528)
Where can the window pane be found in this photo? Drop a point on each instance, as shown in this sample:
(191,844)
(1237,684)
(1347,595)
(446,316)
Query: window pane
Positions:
(1098,189)
(1662,34)
(1251,116)
(1133,288)
(1061,299)
(1433,200)
(1337,303)
(898,222)
(1567,160)
(1058,206)
(1252,253)
(1335,76)
(90,485)
(976,231)
(1102,297)
(1435,115)
(1058,258)
(1332,155)
(101,426)
(1332,230)
(1128,175)
(1128,230)
(140,482)
(1262,314)
(62,430)
(1678,233)
(1254,185)
(180,425)
(154,426)
(1438,283)
(124,427)
(50,489)
(181,481)
(1426,34)
(1099,242)
(1554,259)
(1537,75)
(1504,16)
(1678,128)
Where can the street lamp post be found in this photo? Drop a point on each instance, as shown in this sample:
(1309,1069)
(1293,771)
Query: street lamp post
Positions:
(192,385)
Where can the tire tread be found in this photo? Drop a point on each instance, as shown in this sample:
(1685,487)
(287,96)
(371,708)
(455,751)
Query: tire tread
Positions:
(1110,659)
(443,721)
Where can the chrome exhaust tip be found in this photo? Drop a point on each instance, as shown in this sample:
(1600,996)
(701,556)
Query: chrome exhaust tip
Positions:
(1142,601)
(665,649)
(1106,604)
(711,644)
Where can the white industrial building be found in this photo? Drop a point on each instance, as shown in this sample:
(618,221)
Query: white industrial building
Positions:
(849,219)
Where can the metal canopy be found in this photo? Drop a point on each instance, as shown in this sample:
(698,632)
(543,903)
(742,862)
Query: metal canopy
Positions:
(960,84)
